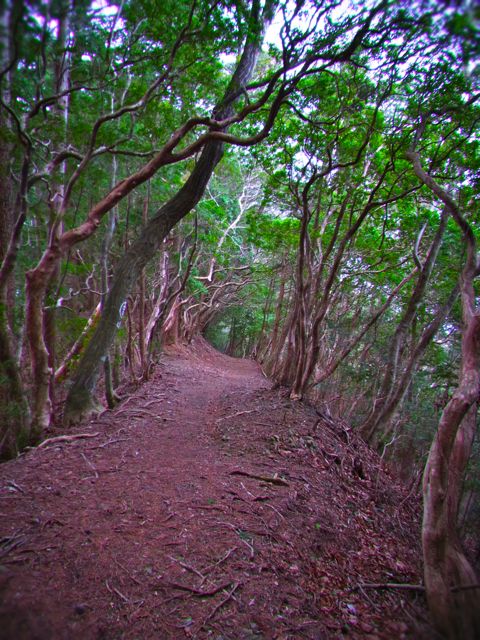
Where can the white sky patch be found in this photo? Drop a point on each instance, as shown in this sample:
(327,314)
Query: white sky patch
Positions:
(106,8)
(228,59)
(272,36)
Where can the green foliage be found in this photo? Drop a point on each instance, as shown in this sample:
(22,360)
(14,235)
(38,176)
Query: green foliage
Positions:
(337,143)
(272,233)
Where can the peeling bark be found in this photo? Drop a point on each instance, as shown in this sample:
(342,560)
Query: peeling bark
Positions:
(455,609)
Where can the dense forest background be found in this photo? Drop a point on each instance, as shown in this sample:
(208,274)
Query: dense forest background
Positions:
(297,181)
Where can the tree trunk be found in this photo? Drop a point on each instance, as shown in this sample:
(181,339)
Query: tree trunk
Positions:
(61,70)
(159,308)
(40,330)
(14,410)
(62,372)
(397,395)
(41,407)
(104,262)
(14,414)
(383,407)
(449,577)
(171,327)
(271,345)
(130,348)
(312,347)
(232,338)
(455,613)
(302,289)
(141,305)
(274,364)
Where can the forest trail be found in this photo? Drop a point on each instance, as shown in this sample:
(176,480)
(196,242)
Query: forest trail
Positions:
(206,505)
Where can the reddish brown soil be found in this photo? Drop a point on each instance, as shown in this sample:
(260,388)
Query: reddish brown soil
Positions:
(206,506)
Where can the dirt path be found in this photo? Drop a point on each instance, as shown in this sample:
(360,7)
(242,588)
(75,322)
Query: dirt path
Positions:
(205,506)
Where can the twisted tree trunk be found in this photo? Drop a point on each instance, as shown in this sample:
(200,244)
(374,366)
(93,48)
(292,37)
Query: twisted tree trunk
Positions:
(450,580)
(388,398)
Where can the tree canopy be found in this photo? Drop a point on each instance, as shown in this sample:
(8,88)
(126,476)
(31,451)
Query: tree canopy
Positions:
(296,180)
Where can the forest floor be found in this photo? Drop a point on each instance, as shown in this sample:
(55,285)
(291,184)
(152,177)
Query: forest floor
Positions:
(207,505)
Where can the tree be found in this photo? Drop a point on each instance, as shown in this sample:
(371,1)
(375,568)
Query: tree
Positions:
(450,580)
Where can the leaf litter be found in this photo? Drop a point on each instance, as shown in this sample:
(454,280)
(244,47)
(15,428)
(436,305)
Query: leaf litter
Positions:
(226,511)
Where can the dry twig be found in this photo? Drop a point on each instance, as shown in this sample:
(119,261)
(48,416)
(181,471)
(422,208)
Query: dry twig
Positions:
(157,399)
(196,592)
(58,439)
(127,572)
(220,604)
(234,415)
(92,467)
(272,480)
(188,567)
(15,486)
(209,567)
(115,590)
(390,585)
(105,444)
